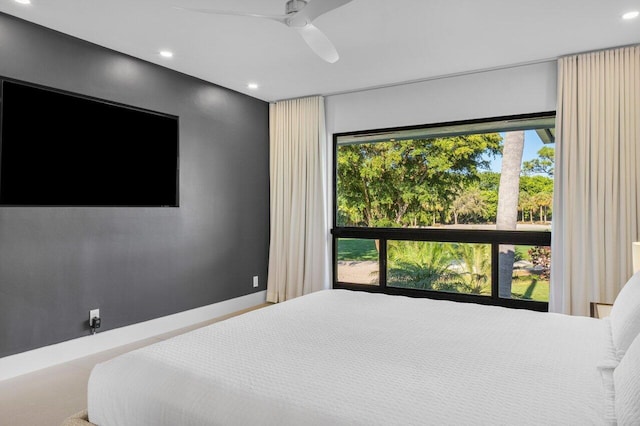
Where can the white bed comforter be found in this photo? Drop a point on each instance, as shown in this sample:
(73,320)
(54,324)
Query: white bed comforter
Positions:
(351,358)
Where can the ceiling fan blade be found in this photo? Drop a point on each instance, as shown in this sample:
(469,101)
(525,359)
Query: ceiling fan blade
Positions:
(278,18)
(313,9)
(318,42)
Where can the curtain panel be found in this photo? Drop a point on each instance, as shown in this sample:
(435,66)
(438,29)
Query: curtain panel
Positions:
(596,206)
(298,253)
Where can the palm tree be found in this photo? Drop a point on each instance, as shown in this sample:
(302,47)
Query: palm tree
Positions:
(527,203)
(507,216)
(543,200)
(419,264)
(475,264)
(524,204)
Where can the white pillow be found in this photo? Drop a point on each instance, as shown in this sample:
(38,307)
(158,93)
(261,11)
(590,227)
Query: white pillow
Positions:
(606,367)
(626,379)
(625,315)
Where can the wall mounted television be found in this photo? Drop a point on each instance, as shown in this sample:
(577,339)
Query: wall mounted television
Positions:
(63,149)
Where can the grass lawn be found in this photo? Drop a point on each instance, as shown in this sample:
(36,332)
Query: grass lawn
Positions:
(357,249)
(523,288)
(530,287)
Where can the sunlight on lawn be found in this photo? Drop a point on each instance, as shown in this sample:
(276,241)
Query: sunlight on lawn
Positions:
(530,287)
(355,249)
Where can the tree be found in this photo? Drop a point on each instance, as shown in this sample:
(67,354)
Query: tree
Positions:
(475,262)
(543,201)
(544,164)
(536,184)
(468,203)
(391,183)
(536,192)
(489,184)
(422,265)
(526,204)
(541,258)
(508,205)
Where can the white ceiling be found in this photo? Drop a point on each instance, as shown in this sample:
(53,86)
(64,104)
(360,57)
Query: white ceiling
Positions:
(381,42)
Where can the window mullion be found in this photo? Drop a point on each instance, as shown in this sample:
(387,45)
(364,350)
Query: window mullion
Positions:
(495,259)
(383,263)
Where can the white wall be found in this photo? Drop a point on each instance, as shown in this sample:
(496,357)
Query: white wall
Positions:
(510,91)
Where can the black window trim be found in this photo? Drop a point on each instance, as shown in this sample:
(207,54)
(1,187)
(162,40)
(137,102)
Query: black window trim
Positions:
(493,237)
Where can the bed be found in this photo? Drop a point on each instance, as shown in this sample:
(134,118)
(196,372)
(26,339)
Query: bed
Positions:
(339,357)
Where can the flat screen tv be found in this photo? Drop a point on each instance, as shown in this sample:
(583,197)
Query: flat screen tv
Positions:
(64,149)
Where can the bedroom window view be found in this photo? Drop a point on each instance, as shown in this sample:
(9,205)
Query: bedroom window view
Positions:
(458,209)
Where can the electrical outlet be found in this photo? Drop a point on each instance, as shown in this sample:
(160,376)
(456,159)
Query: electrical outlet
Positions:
(255,281)
(93,313)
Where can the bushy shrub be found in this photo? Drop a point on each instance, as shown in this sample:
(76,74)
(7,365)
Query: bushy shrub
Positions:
(541,258)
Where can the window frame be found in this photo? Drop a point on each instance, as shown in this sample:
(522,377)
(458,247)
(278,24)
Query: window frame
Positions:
(493,237)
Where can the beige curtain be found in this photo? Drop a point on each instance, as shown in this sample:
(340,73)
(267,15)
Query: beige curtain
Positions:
(596,207)
(298,253)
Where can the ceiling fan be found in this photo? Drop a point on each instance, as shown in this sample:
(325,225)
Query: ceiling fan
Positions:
(299,15)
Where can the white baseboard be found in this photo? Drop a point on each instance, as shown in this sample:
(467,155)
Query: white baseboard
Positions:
(26,362)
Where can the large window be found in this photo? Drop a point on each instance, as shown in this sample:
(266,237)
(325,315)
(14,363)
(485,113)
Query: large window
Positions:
(459,210)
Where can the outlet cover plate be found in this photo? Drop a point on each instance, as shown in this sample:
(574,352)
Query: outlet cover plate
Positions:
(255,281)
(93,313)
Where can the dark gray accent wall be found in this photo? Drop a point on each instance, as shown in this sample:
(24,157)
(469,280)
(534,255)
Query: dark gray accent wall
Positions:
(135,264)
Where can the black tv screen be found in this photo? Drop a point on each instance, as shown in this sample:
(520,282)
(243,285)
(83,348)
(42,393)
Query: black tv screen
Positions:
(62,149)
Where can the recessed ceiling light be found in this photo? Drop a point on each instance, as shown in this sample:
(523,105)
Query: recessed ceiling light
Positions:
(631,15)
(23,1)
(252,86)
(166,54)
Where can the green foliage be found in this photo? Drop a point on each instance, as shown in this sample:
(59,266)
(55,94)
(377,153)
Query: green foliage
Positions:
(469,203)
(489,184)
(426,182)
(536,184)
(544,164)
(460,268)
(489,181)
(405,183)
(474,261)
(422,265)
(536,197)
